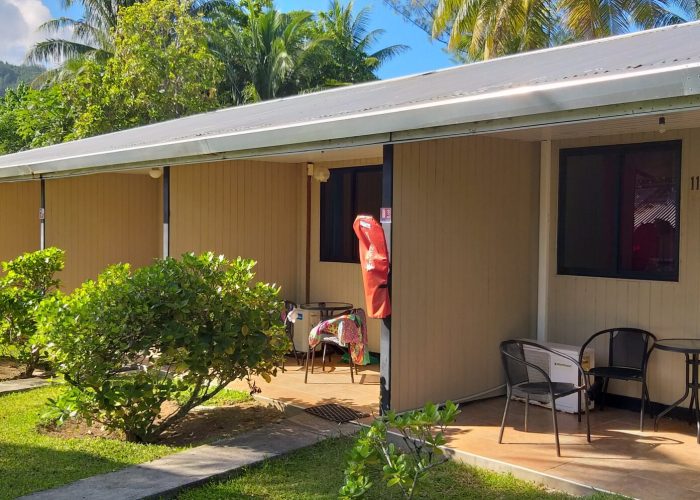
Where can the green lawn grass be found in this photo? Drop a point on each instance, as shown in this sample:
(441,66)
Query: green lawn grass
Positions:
(31,461)
(228,397)
(316,473)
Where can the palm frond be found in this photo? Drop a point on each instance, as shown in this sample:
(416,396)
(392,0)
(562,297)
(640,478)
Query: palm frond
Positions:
(387,53)
(57,50)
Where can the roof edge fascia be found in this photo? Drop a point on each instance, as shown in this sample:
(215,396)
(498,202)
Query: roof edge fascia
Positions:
(466,115)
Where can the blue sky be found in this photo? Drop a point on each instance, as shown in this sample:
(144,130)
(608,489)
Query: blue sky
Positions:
(423,56)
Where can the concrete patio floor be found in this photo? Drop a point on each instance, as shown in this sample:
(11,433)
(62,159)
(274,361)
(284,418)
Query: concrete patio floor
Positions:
(332,386)
(620,459)
(664,464)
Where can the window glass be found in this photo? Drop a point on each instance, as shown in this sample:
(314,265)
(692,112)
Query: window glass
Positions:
(349,192)
(590,213)
(619,211)
(649,213)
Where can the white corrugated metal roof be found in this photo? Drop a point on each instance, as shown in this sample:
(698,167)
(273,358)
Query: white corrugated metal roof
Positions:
(644,66)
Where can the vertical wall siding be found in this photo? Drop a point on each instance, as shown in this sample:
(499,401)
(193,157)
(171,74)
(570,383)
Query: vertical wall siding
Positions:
(100,220)
(240,208)
(464,263)
(19,218)
(337,281)
(581,306)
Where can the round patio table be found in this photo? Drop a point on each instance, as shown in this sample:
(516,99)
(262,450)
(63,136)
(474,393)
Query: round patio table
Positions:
(327,309)
(691,349)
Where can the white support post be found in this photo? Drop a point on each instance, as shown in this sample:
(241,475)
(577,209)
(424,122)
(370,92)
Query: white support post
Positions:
(42,215)
(544,238)
(166,212)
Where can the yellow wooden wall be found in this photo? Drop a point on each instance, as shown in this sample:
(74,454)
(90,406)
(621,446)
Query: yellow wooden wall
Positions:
(241,208)
(19,218)
(338,281)
(580,306)
(102,219)
(465,229)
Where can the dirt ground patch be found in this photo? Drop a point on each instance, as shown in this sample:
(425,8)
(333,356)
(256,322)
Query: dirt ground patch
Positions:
(211,424)
(202,425)
(9,369)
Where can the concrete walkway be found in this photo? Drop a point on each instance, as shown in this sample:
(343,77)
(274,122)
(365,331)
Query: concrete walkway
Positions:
(168,475)
(22,384)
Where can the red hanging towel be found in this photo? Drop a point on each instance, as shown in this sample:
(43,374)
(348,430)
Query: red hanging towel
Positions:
(374,260)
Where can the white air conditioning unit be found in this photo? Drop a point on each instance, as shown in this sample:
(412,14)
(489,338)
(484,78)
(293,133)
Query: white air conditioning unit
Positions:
(559,369)
(305,320)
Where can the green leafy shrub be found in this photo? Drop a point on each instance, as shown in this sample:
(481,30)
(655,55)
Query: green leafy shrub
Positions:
(177,330)
(28,280)
(421,433)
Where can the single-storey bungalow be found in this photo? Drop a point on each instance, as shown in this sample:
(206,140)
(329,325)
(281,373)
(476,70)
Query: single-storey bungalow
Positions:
(546,195)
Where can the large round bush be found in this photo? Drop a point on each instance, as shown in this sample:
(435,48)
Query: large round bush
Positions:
(26,282)
(177,330)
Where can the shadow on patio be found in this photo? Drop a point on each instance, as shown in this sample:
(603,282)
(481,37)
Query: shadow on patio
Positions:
(664,464)
(331,386)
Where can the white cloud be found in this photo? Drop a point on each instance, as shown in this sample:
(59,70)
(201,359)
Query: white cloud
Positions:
(19,20)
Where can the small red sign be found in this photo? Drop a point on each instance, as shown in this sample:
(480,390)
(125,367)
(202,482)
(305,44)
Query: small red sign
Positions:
(385,215)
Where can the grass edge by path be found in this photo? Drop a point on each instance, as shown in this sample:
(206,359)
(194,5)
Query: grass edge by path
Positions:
(33,461)
(316,473)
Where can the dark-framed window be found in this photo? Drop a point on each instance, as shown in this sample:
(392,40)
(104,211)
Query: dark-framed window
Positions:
(349,192)
(619,211)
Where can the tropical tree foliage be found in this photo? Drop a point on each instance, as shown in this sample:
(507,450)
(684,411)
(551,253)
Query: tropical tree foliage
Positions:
(482,29)
(187,327)
(31,118)
(28,280)
(92,36)
(161,69)
(268,53)
(349,55)
(90,40)
(265,57)
(134,62)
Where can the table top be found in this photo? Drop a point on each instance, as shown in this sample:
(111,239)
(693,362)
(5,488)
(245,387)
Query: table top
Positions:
(326,306)
(688,346)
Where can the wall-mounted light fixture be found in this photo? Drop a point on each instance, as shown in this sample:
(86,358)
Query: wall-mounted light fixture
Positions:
(321,174)
(662,124)
(155,173)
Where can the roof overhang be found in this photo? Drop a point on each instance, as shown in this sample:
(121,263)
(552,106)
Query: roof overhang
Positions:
(665,89)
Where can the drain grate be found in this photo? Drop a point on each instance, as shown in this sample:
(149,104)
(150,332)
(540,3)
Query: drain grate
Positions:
(335,413)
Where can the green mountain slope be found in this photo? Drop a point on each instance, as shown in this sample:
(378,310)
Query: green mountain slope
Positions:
(11,75)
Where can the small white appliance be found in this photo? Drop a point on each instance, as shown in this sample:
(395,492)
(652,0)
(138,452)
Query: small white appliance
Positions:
(559,369)
(304,321)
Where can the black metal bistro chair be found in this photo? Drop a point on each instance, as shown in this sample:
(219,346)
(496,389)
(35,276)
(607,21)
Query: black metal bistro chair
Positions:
(628,356)
(530,380)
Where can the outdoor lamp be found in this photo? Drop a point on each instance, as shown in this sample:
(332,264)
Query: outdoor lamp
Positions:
(155,173)
(321,174)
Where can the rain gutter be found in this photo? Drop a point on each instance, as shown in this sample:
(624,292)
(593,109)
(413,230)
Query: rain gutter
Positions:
(606,96)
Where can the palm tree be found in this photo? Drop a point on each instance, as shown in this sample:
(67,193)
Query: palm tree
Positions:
(679,11)
(350,43)
(275,46)
(264,56)
(92,35)
(481,29)
(587,20)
